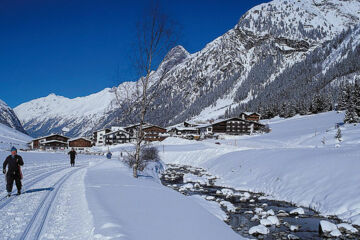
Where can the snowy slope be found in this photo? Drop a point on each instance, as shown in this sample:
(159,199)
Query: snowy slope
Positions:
(291,163)
(11,137)
(9,118)
(278,51)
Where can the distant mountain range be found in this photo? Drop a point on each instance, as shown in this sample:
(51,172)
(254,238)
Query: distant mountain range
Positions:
(278,52)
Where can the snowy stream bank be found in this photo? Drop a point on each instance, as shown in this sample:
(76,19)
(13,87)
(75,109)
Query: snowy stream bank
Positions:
(252,214)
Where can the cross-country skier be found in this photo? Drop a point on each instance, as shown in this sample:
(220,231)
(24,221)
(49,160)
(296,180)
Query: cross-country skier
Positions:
(13,162)
(72,154)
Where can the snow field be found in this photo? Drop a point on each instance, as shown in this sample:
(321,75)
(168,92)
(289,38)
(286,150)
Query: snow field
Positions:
(291,163)
(128,208)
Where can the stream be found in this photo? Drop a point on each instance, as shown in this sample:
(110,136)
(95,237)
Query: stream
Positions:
(246,210)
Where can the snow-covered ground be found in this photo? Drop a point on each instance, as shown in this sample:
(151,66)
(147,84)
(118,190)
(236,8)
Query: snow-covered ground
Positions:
(128,208)
(99,199)
(300,161)
(11,137)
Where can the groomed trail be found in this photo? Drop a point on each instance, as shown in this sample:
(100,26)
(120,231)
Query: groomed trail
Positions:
(100,199)
(27,216)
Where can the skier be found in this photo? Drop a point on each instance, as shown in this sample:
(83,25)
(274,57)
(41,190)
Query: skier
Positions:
(72,154)
(108,155)
(13,162)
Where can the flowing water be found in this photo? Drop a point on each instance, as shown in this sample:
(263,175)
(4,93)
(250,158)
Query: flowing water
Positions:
(247,208)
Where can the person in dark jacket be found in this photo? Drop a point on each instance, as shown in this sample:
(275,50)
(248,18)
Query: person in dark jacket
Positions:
(72,154)
(13,163)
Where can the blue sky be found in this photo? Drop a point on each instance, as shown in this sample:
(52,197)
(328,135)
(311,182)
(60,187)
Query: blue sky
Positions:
(74,47)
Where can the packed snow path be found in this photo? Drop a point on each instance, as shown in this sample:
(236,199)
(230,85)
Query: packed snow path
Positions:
(138,209)
(45,174)
(99,199)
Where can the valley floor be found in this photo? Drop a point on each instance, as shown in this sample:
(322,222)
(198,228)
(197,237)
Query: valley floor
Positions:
(99,199)
(300,161)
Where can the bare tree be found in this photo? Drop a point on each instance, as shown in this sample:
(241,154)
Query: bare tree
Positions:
(155,37)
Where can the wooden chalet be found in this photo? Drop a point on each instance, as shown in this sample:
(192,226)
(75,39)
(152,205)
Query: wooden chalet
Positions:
(80,143)
(117,137)
(183,131)
(154,133)
(51,142)
(250,116)
(236,126)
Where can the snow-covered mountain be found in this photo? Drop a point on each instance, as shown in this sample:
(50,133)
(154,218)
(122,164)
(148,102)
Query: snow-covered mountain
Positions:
(278,52)
(9,118)
(52,113)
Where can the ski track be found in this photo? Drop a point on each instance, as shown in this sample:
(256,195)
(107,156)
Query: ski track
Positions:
(33,173)
(35,212)
(5,200)
(37,222)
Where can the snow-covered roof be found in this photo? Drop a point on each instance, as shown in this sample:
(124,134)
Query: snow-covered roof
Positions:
(237,118)
(186,128)
(250,113)
(137,124)
(74,139)
(149,126)
(52,141)
(203,125)
(103,130)
(115,128)
(120,130)
(55,134)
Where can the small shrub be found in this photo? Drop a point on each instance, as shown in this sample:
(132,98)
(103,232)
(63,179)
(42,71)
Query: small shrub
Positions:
(147,154)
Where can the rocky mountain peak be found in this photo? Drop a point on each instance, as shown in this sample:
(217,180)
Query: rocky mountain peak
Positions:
(9,118)
(174,57)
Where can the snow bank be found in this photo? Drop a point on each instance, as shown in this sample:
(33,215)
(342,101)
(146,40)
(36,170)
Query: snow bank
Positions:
(291,163)
(128,208)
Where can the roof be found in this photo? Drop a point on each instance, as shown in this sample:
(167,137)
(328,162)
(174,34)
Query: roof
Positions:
(74,139)
(149,126)
(117,128)
(250,113)
(136,124)
(55,134)
(237,118)
(186,128)
(204,125)
(103,129)
(116,132)
(52,141)
(227,119)
(191,123)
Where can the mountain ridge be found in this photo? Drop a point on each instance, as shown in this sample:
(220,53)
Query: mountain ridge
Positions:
(9,118)
(245,68)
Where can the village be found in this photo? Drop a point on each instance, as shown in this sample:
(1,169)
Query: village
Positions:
(247,123)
